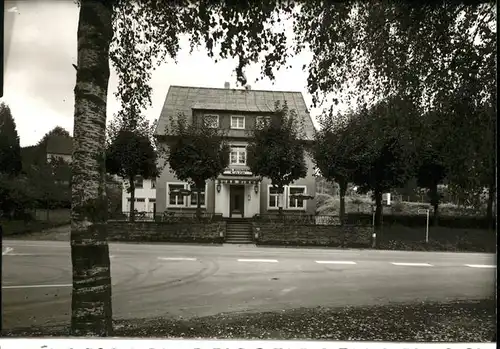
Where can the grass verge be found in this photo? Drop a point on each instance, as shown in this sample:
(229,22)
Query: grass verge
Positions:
(459,321)
(15,228)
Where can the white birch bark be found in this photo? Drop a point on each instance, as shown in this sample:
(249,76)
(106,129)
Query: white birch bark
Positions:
(91,313)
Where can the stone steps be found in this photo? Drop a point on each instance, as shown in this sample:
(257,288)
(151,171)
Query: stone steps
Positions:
(239,231)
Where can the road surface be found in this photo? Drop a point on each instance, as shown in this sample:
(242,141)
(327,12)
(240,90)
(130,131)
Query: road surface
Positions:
(186,280)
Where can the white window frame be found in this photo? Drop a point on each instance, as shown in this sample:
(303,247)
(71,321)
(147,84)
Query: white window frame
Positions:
(237,117)
(211,115)
(261,121)
(204,192)
(238,157)
(296,200)
(269,207)
(184,198)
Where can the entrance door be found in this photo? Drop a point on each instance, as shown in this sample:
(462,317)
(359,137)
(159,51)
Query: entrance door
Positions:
(237,200)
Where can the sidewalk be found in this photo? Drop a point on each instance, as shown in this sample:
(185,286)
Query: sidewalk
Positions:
(459,321)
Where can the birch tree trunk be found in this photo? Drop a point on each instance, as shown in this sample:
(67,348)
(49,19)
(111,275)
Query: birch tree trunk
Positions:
(91,312)
(132,199)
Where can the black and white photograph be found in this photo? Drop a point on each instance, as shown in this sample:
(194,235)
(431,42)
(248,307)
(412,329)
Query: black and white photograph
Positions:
(249,170)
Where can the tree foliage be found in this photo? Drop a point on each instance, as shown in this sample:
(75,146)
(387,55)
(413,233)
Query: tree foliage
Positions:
(197,154)
(10,150)
(337,153)
(131,152)
(276,150)
(431,168)
(387,148)
(441,56)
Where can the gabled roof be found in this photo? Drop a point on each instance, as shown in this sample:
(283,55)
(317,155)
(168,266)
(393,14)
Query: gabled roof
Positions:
(60,145)
(183,99)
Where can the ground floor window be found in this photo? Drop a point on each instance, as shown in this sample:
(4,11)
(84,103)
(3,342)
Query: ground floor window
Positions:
(139,204)
(289,202)
(175,199)
(194,198)
(273,197)
(296,203)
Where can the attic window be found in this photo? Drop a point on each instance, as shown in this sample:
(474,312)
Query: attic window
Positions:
(211,121)
(238,122)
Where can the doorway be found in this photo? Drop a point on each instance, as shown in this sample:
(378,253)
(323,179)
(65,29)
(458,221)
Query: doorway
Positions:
(237,201)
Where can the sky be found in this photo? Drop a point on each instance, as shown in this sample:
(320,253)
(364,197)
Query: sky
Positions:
(40,48)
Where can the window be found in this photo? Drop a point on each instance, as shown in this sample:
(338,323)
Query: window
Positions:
(295,203)
(177,200)
(194,197)
(153,183)
(238,122)
(140,200)
(139,182)
(262,121)
(273,197)
(174,197)
(152,200)
(211,121)
(238,155)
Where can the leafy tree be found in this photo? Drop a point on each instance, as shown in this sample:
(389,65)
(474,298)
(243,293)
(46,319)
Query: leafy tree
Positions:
(336,153)
(276,150)
(386,155)
(56,131)
(10,150)
(130,153)
(17,195)
(441,56)
(197,154)
(431,162)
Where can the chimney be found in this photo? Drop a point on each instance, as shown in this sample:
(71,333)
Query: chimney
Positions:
(226,85)
(248,87)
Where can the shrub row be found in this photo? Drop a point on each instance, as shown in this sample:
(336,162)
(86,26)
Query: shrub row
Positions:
(421,220)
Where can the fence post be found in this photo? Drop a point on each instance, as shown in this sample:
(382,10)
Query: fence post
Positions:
(427,228)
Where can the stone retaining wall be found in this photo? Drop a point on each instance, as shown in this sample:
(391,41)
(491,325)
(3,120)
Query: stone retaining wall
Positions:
(167,232)
(312,235)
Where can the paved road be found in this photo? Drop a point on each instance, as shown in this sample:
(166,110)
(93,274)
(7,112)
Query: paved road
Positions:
(186,280)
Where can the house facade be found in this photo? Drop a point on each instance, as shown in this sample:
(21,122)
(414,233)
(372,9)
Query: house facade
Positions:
(236,193)
(145,195)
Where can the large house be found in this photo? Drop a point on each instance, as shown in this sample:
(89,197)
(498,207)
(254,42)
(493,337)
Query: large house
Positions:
(236,193)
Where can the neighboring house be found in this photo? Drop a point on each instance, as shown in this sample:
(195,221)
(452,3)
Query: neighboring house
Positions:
(145,195)
(59,147)
(235,193)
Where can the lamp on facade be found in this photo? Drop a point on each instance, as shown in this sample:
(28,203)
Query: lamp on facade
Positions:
(218,187)
(256,188)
